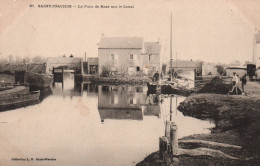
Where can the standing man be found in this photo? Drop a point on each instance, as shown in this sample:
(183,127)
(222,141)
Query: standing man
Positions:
(244,80)
(156,76)
(162,76)
(233,83)
(237,83)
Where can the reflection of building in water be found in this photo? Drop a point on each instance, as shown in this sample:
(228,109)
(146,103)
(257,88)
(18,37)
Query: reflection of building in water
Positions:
(66,88)
(116,113)
(152,110)
(125,102)
(120,102)
(152,106)
(92,90)
(78,89)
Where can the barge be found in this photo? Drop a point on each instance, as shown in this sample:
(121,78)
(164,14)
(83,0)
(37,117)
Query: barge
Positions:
(18,96)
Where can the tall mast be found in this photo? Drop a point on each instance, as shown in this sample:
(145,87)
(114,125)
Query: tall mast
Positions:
(171,46)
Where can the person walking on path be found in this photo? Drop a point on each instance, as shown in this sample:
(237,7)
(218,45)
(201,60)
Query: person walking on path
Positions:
(244,80)
(237,83)
(234,83)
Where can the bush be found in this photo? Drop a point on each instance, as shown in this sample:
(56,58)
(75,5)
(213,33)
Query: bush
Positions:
(105,71)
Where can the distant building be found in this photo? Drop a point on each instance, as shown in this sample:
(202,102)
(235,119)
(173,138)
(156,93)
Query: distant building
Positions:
(92,65)
(128,55)
(239,70)
(186,65)
(256,53)
(72,63)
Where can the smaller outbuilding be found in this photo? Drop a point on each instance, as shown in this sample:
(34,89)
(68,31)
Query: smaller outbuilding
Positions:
(239,70)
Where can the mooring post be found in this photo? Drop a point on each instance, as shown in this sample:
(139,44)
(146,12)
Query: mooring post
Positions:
(167,129)
(163,147)
(173,139)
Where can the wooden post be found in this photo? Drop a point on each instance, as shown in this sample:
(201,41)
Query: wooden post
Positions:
(167,129)
(163,147)
(173,139)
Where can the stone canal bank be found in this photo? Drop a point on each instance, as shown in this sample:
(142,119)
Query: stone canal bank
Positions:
(236,119)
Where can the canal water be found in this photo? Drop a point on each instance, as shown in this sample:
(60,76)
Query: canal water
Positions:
(85,124)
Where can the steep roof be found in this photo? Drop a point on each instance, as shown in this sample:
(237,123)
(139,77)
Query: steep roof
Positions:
(152,48)
(257,36)
(121,42)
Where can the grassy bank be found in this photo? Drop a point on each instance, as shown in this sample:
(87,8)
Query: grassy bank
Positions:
(7,78)
(116,80)
(237,116)
(237,123)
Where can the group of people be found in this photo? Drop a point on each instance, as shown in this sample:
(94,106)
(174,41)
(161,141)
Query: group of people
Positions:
(157,76)
(235,83)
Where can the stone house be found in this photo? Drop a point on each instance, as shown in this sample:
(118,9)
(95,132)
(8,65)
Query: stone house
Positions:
(128,56)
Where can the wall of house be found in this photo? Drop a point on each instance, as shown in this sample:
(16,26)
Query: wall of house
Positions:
(150,66)
(122,61)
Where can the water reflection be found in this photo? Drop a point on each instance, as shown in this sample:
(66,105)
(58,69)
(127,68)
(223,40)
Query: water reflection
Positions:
(70,125)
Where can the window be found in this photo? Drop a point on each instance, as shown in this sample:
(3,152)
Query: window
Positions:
(131,101)
(150,57)
(112,56)
(112,100)
(137,68)
(131,56)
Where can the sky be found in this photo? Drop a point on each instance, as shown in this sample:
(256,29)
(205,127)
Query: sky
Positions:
(213,31)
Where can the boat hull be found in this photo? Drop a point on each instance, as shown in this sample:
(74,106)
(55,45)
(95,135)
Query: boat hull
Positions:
(19,100)
(168,89)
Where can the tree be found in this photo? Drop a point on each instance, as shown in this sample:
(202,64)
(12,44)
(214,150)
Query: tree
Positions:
(105,71)
(220,69)
(10,57)
(37,59)
(26,59)
(235,63)
(123,70)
